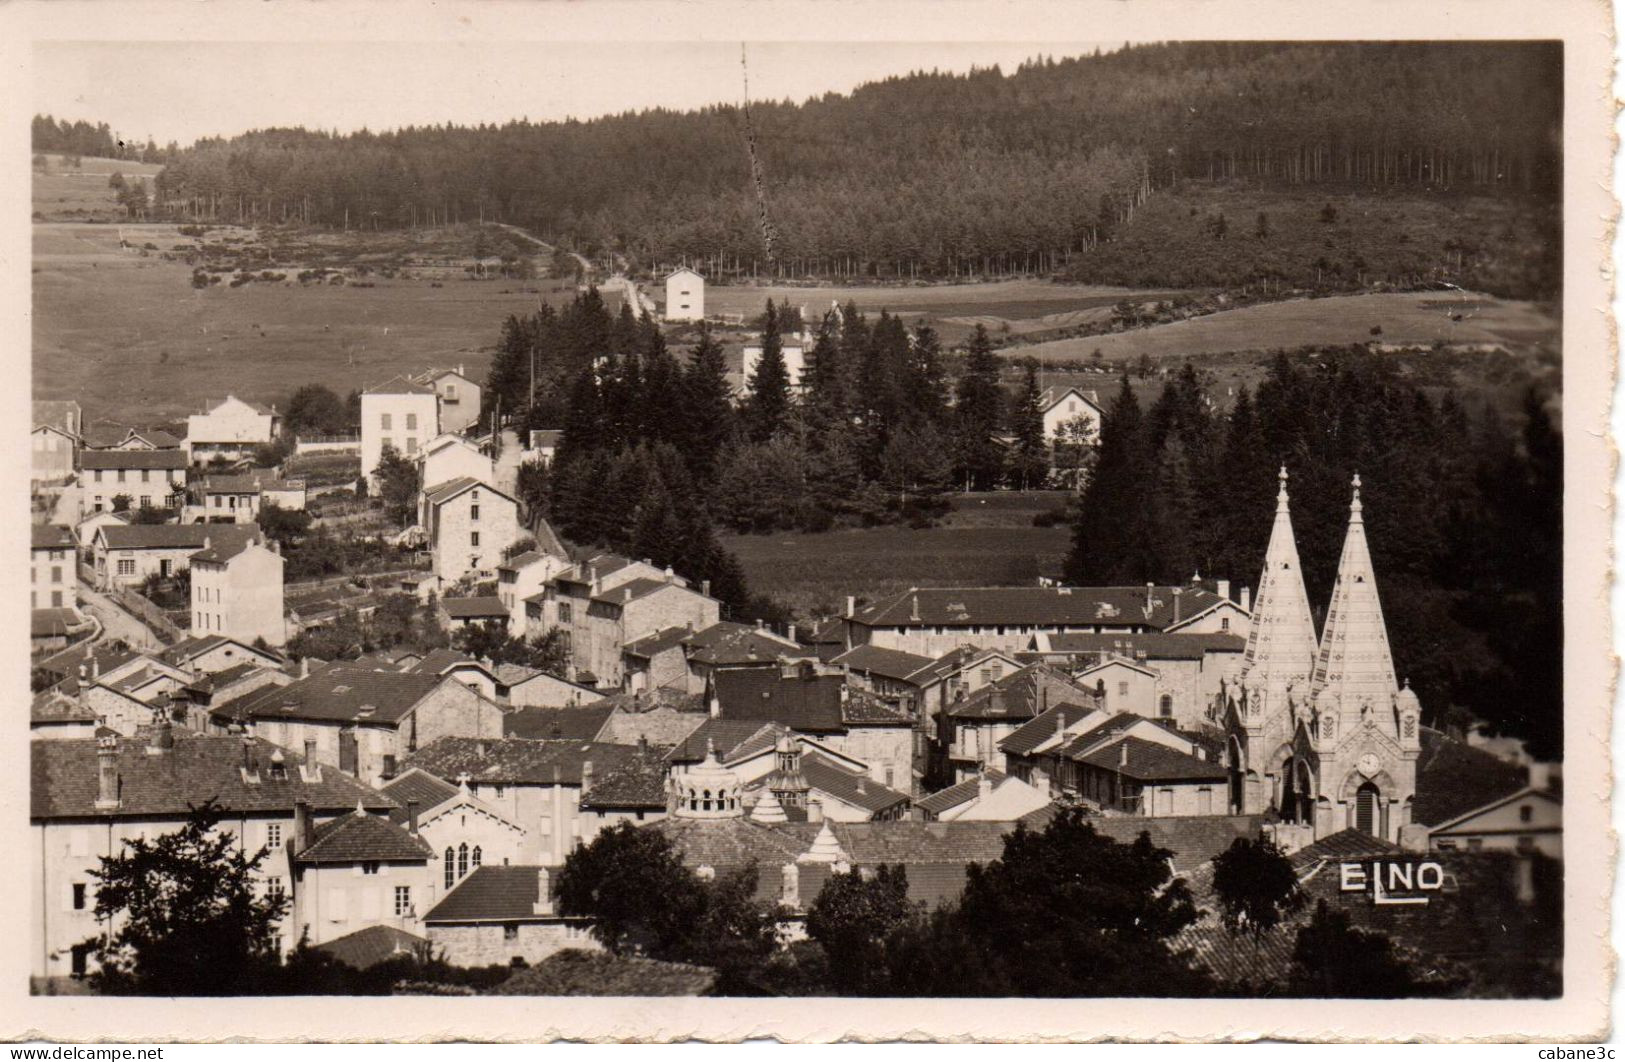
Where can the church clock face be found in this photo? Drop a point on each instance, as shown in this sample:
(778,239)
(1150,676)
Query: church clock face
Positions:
(1368,764)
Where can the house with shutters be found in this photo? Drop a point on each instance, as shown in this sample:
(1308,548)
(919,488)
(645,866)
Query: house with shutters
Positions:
(459,397)
(1188,666)
(238,499)
(448,456)
(206,654)
(154,479)
(53,574)
(89,797)
(685,296)
(469,524)
(237,590)
(363,721)
(970,731)
(357,871)
(123,555)
(231,428)
(525,575)
(400,414)
(1067,409)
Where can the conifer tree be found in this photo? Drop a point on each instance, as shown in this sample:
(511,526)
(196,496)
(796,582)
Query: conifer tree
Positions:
(978,413)
(767,411)
(1107,521)
(708,408)
(1030,460)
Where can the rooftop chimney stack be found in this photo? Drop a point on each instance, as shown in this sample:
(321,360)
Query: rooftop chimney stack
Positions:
(1224,589)
(544,892)
(1150,590)
(1178,596)
(1247,598)
(310,752)
(851,605)
(1122,754)
(301,825)
(815,810)
(107,796)
(412,816)
(304,667)
(984,787)
(586,777)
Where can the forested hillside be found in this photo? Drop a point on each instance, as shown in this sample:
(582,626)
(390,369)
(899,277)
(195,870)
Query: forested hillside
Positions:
(932,174)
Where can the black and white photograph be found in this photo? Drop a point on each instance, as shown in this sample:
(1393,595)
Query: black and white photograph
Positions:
(806,519)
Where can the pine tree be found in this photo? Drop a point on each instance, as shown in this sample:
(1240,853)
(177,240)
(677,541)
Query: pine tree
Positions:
(1030,460)
(767,411)
(708,407)
(977,415)
(927,379)
(1109,522)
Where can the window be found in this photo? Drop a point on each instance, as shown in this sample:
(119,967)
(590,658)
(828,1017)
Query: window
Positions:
(1224,624)
(474,857)
(1122,689)
(403,900)
(451,868)
(273,834)
(126,566)
(510,932)
(56,599)
(474,539)
(121,475)
(473,512)
(98,475)
(1526,813)
(411,422)
(146,501)
(384,424)
(451,392)
(499,790)
(564,613)
(146,476)
(462,860)
(274,888)
(1526,844)
(1445,846)
(388,443)
(79,894)
(411,444)
(1474,844)
(1167,705)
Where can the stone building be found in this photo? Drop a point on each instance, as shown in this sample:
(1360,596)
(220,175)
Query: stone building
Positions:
(685,296)
(237,591)
(469,524)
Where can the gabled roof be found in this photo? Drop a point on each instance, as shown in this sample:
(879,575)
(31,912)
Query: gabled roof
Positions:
(1350,843)
(474,607)
(132,459)
(192,648)
(439,661)
(1050,397)
(399,385)
(959,793)
(849,787)
(1155,646)
(175,536)
(633,589)
(50,622)
(156,438)
(1041,728)
(58,413)
(630,782)
(219,552)
(250,484)
(1149,762)
(419,785)
(665,726)
(198,768)
(1453,778)
(375,944)
(338,693)
(1114,661)
(887,663)
(1043,606)
(494,894)
(734,740)
(49,536)
(727,644)
(654,644)
(1016,695)
(1526,793)
(576,723)
(56,706)
(362,837)
(811,704)
(257,407)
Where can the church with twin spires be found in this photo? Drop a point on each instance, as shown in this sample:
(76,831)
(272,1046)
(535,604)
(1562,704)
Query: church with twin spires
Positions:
(1318,728)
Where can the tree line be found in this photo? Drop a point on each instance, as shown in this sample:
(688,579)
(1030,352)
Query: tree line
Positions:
(81,139)
(932,174)
(1463,513)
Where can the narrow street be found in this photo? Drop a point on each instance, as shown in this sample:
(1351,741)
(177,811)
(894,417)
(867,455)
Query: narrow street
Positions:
(116,622)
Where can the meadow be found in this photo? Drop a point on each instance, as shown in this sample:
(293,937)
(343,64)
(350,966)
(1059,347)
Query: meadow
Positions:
(129,337)
(988,540)
(62,191)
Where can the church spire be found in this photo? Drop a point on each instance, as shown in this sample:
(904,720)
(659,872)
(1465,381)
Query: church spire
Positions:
(1281,644)
(1355,666)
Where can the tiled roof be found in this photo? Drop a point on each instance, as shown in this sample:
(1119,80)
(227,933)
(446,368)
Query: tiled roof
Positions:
(1193,839)
(1150,762)
(1344,844)
(194,647)
(887,663)
(161,440)
(474,607)
(576,724)
(518,761)
(832,630)
(660,726)
(493,894)
(1052,395)
(733,842)
(221,679)
(399,385)
(647,647)
(1158,646)
(375,944)
(947,664)
(55,706)
(91,655)
(1016,695)
(437,661)
(859,790)
(199,767)
(132,459)
(733,738)
(633,589)
(1453,778)
(418,785)
(340,692)
(1041,728)
(811,704)
(727,644)
(248,484)
(862,708)
(575,972)
(49,536)
(629,782)
(955,795)
(361,837)
(219,551)
(521,560)
(1043,606)
(50,622)
(175,536)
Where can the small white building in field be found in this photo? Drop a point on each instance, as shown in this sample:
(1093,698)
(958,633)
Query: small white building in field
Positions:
(685,296)
(237,590)
(230,428)
(1062,405)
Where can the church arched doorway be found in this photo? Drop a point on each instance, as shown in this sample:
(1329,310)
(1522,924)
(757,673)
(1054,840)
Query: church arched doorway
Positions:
(1238,778)
(1297,792)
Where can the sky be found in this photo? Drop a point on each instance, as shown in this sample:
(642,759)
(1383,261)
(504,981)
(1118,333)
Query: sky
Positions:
(184,90)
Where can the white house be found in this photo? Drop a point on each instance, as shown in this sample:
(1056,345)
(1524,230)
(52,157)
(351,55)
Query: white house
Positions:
(459,397)
(685,296)
(52,577)
(237,590)
(447,457)
(1062,405)
(230,428)
(400,414)
(795,363)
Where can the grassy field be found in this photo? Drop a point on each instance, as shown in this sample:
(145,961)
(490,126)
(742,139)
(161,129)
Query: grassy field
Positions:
(129,337)
(62,191)
(1411,318)
(988,540)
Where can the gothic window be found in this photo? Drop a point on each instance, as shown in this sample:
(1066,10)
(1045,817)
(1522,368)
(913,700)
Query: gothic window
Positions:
(462,859)
(474,858)
(1167,704)
(451,867)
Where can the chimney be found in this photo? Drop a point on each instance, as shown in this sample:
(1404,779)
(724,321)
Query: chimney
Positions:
(1247,598)
(248,753)
(205,541)
(1224,589)
(851,605)
(1540,775)
(412,816)
(301,825)
(586,776)
(544,892)
(984,787)
(1122,754)
(310,752)
(1150,590)
(815,810)
(304,667)
(1179,595)
(705,587)
(790,892)
(107,787)
(791,632)
(715,706)
(643,744)
(95,666)
(1043,695)
(914,608)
